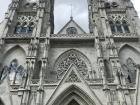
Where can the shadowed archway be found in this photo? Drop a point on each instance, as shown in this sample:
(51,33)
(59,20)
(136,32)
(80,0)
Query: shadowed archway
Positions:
(73,96)
(129,58)
(128,51)
(1,102)
(73,102)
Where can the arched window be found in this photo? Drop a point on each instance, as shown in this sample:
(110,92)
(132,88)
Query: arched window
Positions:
(30,27)
(112,26)
(18,28)
(125,27)
(24,28)
(119,27)
(71,30)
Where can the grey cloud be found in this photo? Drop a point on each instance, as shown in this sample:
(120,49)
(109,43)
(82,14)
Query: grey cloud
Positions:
(62,12)
(79,11)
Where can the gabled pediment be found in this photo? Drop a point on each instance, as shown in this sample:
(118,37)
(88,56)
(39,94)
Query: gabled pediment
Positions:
(71,25)
(73,84)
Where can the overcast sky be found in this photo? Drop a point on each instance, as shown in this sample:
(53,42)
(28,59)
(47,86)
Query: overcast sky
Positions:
(62,12)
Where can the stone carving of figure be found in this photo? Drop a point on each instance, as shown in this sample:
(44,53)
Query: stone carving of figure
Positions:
(15,72)
(129,70)
(99,49)
(4,73)
(33,48)
(13,69)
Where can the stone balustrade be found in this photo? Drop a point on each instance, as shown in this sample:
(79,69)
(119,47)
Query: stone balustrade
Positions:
(18,35)
(69,36)
(125,35)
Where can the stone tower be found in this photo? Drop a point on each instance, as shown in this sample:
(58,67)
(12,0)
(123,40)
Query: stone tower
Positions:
(72,67)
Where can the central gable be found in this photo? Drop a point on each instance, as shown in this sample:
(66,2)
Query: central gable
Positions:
(71,28)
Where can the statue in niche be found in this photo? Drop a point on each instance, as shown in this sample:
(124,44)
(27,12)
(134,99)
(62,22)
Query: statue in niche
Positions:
(15,72)
(33,47)
(129,70)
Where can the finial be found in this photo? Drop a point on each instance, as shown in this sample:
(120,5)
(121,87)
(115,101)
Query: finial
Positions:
(71,17)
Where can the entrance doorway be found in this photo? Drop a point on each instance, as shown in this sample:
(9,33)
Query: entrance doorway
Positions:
(73,102)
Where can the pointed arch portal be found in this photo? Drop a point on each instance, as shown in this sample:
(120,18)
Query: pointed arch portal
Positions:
(73,102)
(73,96)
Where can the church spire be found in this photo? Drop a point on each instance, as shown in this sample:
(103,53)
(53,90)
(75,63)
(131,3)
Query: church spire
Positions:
(71,17)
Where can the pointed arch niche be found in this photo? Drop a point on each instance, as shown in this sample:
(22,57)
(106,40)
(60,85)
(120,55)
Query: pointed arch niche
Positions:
(129,59)
(62,13)
(73,96)
(70,57)
(127,51)
(14,65)
(15,52)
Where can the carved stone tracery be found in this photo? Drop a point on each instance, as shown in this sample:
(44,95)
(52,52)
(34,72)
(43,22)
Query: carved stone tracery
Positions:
(71,58)
(73,77)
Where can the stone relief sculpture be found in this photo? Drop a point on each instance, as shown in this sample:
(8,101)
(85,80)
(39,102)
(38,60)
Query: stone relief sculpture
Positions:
(15,72)
(73,78)
(129,70)
(72,58)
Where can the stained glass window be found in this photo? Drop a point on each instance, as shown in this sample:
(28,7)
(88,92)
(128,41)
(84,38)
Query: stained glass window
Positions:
(125,27)
(71,30)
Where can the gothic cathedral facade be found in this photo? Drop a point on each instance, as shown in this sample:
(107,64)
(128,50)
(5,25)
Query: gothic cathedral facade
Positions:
(72,67)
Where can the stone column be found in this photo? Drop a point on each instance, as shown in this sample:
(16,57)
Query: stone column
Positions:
(40,14)
(137,96)
(40,91)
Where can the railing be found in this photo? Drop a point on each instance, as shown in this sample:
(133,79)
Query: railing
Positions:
(131,85)
(115,10)
(45,81)
(72,36)
(114,103)
(98,80)
(18,35)
(110,80)
(125,35)
(34,81)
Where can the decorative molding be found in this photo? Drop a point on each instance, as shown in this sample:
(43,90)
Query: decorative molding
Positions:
(69,59)
(73,77)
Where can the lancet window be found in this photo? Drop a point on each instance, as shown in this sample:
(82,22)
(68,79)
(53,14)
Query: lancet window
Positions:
(125,27)
(25,24)
(119,27)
